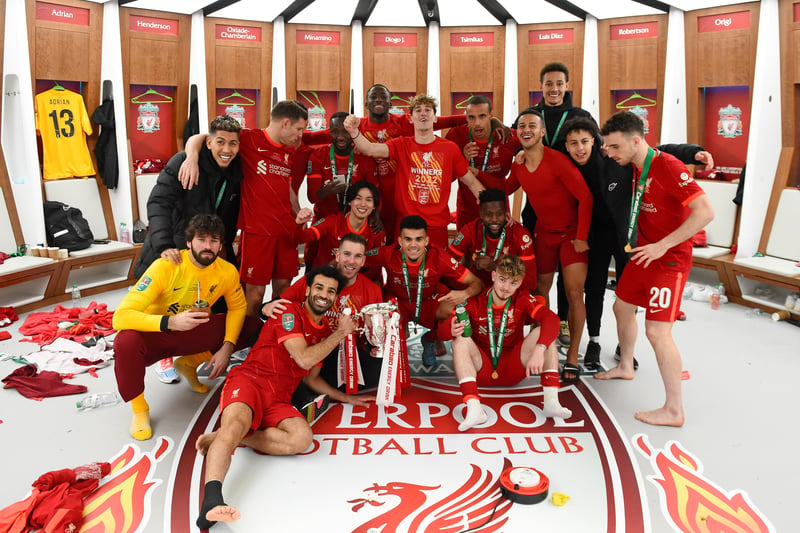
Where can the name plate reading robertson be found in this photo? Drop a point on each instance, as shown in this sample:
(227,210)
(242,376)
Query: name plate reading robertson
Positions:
(77,16)
(154,25)
(318,37)
(738,20)
(642,30)
(471,39)
(226,32)
(558,36)
(408,40)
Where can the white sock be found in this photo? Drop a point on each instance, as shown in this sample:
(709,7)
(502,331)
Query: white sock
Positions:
(475,415)
(552,408)
(594,339)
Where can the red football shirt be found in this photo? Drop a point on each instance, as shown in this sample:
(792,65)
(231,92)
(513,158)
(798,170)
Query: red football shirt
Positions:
(438,265)
(269,358)
(330,230)
(267,169)
(470,242)
(557,192)
(522,308)
(354,296)
(322,173)
(424,176)
(492,176)
(668,190)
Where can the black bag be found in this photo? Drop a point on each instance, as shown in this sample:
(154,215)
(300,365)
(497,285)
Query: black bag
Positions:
(66,227)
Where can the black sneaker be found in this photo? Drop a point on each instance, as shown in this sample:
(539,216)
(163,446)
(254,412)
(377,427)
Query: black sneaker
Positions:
(592,358)
(313,409)
(617,356)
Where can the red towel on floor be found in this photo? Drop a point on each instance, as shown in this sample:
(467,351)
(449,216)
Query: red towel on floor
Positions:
(88,322)
(7,316)
(46,384)
(56,502)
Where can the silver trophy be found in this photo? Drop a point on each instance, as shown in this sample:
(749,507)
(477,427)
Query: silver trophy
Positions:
(376,319)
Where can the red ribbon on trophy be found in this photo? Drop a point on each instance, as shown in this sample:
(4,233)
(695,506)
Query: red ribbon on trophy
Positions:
(349,368)
(391,371)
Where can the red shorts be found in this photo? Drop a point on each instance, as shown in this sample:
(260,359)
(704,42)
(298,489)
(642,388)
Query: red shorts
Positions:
(509,368)
(657,288)
(427,313)
(267,257)
(552,248)
(268,410)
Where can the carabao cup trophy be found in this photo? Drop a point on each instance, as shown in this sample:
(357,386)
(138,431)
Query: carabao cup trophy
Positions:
(382,330)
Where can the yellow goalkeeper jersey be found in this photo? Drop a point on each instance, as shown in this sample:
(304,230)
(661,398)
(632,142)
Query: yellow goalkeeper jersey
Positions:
(63,123)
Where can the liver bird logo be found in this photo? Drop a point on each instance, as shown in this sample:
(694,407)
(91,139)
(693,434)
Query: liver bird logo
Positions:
(469,506)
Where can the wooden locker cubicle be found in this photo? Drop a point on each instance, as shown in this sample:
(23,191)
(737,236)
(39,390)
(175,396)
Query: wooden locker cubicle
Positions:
(632,61)
(155,53)
(397,58)
(472,60)
(790,82)
(538,44)
(239,60)
(317,63)
(720,58)
(65,39)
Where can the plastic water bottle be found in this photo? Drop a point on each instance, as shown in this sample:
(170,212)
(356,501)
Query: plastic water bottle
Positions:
(714,298)
(754,313)
(76,296)
(462,316)
(100,399)
(124,233)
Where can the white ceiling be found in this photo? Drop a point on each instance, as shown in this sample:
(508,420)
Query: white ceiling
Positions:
(408,13)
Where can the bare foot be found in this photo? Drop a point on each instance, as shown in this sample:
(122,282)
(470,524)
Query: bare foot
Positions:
(439,348)
(204,441)
(223,513)
(616,373)
(661,417)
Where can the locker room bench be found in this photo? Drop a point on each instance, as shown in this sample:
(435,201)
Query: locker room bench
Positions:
(24,281)
(765,280)
(101,267)
(720,232)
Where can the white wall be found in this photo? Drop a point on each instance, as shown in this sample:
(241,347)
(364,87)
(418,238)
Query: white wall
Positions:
(111,70)
(673,117)
(765,141)
(19,130)
(590,84)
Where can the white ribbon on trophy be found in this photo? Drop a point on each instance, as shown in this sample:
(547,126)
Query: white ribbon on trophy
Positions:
(349,366)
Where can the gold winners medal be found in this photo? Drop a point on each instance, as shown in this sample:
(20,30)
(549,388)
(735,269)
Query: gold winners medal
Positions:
(495,375)
(628,248)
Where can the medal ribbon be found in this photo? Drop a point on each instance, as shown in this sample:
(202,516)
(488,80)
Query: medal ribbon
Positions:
(547,141)
(636,200)
(346,177)
(420,282)
(221,193)
(501,241)
(485,156)
(496,343)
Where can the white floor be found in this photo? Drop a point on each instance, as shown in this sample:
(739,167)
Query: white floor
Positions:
(738,402)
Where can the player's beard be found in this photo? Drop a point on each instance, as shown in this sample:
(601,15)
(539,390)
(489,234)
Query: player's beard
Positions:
(202,256)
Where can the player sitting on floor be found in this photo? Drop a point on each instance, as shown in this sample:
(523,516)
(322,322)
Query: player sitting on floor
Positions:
(497,354)
(255,405)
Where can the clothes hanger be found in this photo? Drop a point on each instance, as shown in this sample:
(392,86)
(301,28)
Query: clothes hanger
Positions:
(137,99)
(649,101)
(463,103)
(236,94)
(58,87)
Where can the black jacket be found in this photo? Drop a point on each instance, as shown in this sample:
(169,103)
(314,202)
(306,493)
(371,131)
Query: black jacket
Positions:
(170,206)
(552,117)
(106,148)
(612,187)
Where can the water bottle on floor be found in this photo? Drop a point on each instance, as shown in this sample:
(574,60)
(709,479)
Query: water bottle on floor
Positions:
(76,296)
(100,399)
